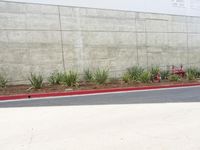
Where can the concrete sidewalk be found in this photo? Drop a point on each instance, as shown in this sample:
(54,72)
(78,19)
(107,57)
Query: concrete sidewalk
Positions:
(102,127)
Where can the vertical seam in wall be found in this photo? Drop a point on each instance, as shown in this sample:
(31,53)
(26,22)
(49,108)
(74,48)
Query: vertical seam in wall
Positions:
(168,40)
(146,44)
(79,41)
(61,38)
(187,40)
(136,36)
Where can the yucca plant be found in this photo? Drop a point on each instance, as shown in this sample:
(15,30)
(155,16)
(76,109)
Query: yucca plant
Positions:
(55,78)
(101,76)
(36,81)
(70,79)
(88,75)
(145,77)
(3,81)
(135,73)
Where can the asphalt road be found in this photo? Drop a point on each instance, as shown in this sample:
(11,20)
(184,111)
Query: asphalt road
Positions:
(179,95)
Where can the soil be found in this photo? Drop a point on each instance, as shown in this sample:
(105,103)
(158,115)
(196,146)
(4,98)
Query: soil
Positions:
(26,89)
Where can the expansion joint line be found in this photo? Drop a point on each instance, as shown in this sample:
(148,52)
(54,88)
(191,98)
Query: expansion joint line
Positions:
(61,38)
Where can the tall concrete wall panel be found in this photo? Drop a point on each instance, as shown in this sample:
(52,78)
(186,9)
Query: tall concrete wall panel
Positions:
(44,38)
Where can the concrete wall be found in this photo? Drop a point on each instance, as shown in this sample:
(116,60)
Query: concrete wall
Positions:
(44,38)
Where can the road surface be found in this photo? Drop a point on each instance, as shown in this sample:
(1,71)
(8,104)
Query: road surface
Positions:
(177,95)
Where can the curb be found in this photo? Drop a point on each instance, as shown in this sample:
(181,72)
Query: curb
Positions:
(87,92)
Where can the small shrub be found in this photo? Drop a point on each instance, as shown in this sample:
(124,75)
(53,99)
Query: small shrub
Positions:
(165,74)
(70,79)
(36,81)
(101,76)
(154,71)
(126,78)
(195,72)
(55,78)
(135,73)
(174,77)
(3,81)
(88,75)
(198,74)
(190,76)
(145,77)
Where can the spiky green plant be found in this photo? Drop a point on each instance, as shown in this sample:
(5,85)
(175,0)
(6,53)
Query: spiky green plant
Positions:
(195,72)
(36,81)
(70,79)
(174,77)
(135,73)
(126,77)
(145,77)
(154,71)
(55,78)
(101,76)
(165,74)
(3,81)
(190,76)
(88,75)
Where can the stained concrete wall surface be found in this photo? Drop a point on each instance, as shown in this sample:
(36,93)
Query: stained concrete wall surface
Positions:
(44,38)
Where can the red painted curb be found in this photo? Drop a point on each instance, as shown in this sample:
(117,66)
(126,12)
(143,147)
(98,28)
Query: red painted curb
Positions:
(85,92)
